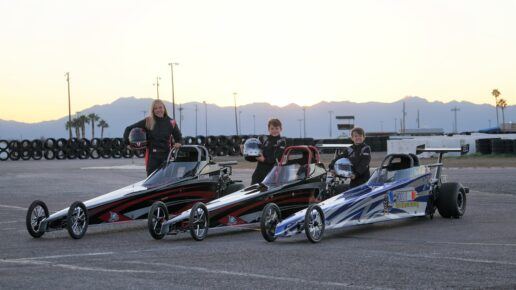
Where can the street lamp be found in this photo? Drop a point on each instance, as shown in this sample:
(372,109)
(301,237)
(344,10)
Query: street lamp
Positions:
(236,119)
(157,86)
(254,124)
(69,106)
(304,121)
(172,64)
(240,120)
(206,117)
(330,112)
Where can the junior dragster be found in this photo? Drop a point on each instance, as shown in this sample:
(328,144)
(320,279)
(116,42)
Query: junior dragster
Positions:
(298,180)
(188,176)
(400,188)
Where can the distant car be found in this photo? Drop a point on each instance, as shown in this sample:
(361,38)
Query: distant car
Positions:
(296,182)
(188,176)
(399,188)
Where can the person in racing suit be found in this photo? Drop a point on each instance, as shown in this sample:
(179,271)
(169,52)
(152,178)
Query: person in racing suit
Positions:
(359,154)
(272,149)
(162,135)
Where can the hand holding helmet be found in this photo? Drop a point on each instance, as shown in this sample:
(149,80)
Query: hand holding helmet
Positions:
(252,149)
(137,139)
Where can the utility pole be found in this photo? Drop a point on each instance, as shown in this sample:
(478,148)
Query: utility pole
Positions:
(206,118)
(417,119)
(157,86)
(455,110)
(489,123)
(395,124)
(330,112)
(196,119)
(69,107)
(180,115)
(236,118)
(300,120)
(172,64)
(254,124)
(144,113)
(304,121)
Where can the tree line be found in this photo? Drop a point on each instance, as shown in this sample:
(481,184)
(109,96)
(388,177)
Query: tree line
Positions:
(78,124)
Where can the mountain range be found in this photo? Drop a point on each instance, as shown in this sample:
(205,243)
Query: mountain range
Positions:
(372,116)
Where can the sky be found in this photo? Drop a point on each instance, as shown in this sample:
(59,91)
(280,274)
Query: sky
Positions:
(278,52)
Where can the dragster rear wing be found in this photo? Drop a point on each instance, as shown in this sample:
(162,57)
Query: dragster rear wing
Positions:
(463,149)
(332,146)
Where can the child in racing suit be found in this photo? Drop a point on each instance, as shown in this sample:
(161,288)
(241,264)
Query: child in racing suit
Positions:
(359,154)
(272,149)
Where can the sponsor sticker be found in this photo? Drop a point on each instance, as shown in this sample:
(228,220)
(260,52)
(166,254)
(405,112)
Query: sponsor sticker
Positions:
(406,204)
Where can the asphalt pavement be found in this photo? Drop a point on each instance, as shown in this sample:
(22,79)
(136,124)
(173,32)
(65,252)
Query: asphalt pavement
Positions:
(476,251)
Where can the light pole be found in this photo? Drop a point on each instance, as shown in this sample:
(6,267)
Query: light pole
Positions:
(300,120)
(304,121)
(144,113)
(180,115)
(196,119)
(69,107)
(455,110)
(157,86)
(254,124)
(330,112)
(172,64)
(206,118)
(240,121)
(236,119)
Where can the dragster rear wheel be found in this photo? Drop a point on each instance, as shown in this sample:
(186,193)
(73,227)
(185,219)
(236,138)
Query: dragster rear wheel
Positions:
(199,221)
(77,220)
(451,201)
(36,213)
(271,216)
(314,223)
(158,214)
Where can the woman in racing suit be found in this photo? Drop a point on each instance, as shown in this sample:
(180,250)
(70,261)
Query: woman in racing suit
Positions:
(162,135)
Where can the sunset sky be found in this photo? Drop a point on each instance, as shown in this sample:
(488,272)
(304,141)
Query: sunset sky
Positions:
(278,52)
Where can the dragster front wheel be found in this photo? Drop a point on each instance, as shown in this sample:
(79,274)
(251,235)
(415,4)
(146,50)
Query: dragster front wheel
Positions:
(158,214)
(271,216)
(314,223)
(77,220)
(199,221)
(36,213)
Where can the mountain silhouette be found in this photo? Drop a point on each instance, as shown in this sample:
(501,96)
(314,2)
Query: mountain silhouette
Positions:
(372,116)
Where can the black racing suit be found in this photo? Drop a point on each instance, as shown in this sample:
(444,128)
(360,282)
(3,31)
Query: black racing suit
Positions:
(272,149)
(360,156)
(159,140)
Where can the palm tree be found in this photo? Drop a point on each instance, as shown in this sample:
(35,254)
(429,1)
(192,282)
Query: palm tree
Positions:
(502,104)
(69,125)
(496,93)
(93,118)
(102,124)
(83,120)
(76,125)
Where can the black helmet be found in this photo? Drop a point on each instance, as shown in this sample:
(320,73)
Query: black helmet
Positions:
(252,149)
(138,138)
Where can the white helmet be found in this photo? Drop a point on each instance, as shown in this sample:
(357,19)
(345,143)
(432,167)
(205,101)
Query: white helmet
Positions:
(343,168)
(252,149)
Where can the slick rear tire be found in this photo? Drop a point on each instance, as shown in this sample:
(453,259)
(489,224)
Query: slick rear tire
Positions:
(271,216)
(77,220)
(199,221)
(36,213)
(451,200)
(314,223)
(158,214)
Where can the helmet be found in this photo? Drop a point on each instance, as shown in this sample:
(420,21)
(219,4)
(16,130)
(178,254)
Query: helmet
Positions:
(252,149)
(343,168)
(138,138)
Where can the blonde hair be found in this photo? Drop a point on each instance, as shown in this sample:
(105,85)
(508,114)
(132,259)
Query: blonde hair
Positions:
(150,121)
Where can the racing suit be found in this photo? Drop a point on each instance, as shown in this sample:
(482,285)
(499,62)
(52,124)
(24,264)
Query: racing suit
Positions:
(159,140)
(272,149)
(360,156)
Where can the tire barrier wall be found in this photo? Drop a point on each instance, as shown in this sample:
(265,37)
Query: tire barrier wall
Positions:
(61,149)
